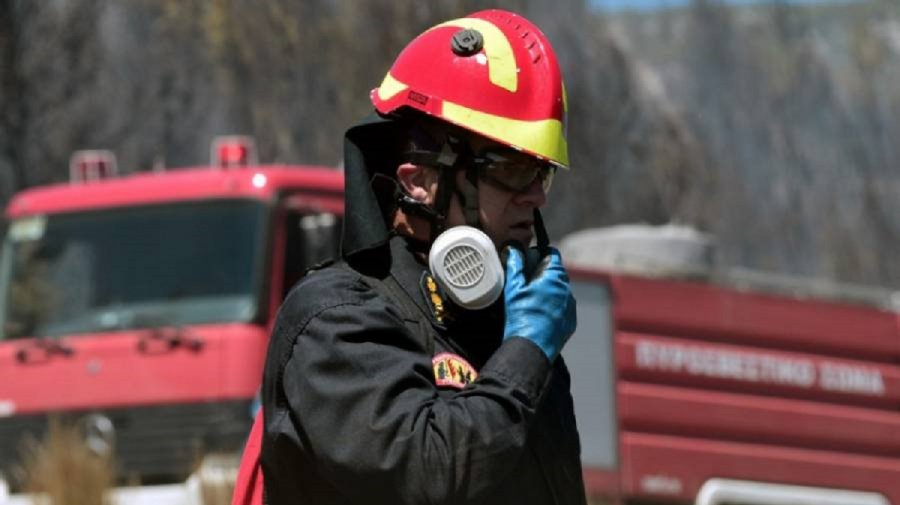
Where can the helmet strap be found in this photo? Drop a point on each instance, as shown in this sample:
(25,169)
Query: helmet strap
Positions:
(454,155)
(468,197)
(445,189)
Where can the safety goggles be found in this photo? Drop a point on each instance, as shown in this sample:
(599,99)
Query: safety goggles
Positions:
(512,170)
(507,169)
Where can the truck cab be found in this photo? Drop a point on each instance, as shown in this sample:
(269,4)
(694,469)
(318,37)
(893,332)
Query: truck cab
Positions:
(139,306)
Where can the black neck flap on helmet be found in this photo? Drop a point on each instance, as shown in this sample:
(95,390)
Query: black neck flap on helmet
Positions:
(371,156)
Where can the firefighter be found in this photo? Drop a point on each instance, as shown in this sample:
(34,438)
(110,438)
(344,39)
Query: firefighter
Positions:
(385,381)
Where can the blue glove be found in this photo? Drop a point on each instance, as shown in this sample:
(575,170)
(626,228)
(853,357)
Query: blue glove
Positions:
(541,310)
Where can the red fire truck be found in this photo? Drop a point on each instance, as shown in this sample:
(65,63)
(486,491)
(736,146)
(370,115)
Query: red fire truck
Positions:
(141,305)
(736,388)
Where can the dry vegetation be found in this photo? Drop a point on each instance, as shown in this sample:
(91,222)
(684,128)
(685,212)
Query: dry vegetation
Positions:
(62,470)
(217,476)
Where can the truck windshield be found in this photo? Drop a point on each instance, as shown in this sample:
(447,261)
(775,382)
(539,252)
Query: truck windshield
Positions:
(132,268)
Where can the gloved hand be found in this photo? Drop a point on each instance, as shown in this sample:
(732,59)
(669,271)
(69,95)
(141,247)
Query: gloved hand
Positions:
(541,309)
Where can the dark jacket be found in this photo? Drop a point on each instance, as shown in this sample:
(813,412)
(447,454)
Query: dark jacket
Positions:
(354,414)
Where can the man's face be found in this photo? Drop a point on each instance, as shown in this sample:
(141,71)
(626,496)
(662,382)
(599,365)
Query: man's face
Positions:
(511,185)
(505,213)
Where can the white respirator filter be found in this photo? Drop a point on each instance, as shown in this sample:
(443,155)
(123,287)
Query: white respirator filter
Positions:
(465,264)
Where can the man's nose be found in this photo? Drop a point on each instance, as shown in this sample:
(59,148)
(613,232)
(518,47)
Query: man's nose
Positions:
(533,194)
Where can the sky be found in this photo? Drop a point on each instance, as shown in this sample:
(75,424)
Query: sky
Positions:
(618,5)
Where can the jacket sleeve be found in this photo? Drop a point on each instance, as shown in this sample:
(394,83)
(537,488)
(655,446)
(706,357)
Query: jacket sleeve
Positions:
(360,389)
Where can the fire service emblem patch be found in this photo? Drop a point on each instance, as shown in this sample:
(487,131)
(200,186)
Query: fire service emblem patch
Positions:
(452,370)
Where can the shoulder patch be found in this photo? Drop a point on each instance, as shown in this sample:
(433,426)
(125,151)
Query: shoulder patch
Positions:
(452,370)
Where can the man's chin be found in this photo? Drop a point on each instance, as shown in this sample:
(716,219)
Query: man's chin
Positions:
(523,237)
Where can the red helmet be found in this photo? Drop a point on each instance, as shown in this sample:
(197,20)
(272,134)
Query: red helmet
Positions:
(493,73)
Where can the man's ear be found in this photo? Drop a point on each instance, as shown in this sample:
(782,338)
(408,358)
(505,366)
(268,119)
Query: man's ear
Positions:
(416,182)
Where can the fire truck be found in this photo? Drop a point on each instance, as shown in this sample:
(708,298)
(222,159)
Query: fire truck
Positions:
(140,306)
(735,387)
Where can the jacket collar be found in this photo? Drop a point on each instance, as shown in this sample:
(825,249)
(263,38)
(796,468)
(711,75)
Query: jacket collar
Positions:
(408,270)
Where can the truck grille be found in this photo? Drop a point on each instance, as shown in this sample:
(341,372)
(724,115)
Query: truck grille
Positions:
(153,445)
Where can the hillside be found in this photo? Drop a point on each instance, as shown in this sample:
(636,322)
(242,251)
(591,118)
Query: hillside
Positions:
(771,127)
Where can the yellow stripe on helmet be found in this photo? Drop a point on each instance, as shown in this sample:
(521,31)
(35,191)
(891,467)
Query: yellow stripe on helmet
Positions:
(502,69)
(542,137)
(390,87)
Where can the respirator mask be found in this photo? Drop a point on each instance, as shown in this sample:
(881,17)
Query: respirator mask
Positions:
(465,264)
